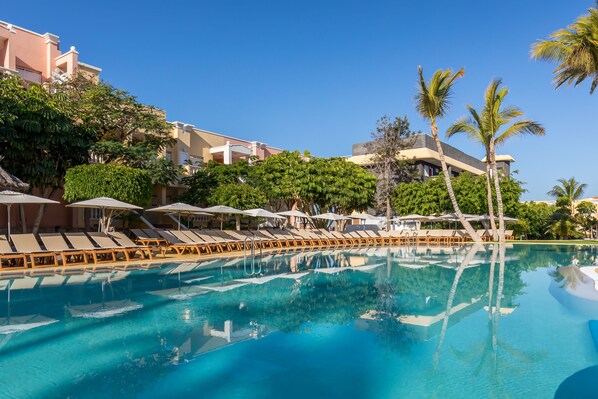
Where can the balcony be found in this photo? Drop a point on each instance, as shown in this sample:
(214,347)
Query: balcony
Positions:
(29,76)
(191,169)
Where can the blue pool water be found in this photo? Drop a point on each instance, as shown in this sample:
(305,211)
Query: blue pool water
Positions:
(378,323)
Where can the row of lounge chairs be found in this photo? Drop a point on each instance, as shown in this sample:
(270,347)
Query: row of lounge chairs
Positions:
(55,249)
(218,241)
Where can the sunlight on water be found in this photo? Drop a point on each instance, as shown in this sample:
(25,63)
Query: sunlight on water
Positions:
(434,322)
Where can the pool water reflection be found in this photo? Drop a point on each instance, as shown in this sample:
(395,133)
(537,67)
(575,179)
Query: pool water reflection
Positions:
(469,322)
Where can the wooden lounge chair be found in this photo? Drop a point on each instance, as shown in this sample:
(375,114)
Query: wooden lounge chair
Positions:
(126,242)
(55,242)
(298,241)
(374,237)
(180,247)
(268,240)
(276,235)
(509,235)
(246,238)
(337,242)
(82,242)
(388,238)
(155,235)
(9,255)
(221,237)
(142,238)
(287,237)
(310,240)
(359,239)
(191,239)
(207,240)
(27,244)
(104,241)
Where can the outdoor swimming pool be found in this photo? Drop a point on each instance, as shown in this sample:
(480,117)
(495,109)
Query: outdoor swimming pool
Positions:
(334,324)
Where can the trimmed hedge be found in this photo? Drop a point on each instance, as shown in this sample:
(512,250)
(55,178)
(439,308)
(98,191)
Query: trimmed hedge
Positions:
(122,183)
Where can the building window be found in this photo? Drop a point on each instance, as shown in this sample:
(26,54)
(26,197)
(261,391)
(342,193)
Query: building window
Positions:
(183,157)
(193,160)
(430,171)
(169,155)
(29,75)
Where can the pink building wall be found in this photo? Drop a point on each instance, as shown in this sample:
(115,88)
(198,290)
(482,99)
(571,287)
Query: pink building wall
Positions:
(36,57)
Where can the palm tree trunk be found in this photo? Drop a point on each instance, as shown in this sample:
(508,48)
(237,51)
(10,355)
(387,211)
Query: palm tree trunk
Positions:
(491,281)
(499,204)
(501,283)
(449,304)
(490,201)
(447,178)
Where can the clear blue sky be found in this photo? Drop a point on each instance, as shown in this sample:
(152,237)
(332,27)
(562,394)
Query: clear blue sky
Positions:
(317,75)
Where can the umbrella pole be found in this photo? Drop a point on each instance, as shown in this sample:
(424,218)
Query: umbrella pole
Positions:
(8,219)
(179,221)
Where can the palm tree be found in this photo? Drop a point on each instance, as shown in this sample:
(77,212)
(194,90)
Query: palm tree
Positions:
(574,49)
(571,190)
(492,127)
(432,102)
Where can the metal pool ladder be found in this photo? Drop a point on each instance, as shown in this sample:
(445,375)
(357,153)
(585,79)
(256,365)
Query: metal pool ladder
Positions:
(251,241)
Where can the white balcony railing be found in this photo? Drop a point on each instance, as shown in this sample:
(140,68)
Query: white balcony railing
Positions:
(191,169)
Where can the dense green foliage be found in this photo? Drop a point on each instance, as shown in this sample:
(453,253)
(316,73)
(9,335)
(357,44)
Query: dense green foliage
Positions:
(128,132)
(567,220)
(535,219)
(240,196)
(38,139)
(316,184)
(586,216)
(107,180)
(431,197)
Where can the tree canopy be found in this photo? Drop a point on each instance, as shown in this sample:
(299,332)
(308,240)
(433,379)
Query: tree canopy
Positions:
(431,197)
(122,183)
(39,140)
(286,179)
(128,132)
(387,163)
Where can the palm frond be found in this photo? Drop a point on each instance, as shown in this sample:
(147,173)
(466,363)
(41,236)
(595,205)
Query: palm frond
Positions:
(521,128)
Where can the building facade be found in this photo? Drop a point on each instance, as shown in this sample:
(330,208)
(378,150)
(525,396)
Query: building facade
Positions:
(427,161)
(37,57)
(195,146)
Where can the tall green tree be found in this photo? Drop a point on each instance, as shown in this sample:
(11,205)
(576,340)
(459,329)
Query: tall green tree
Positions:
(38,139)
(280,177)
(128,132)
(348,186)
(431,197)
(574,49)
(535,219)
(432,103)
(492,127)
(586,217)
(568,191)
(387,163)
